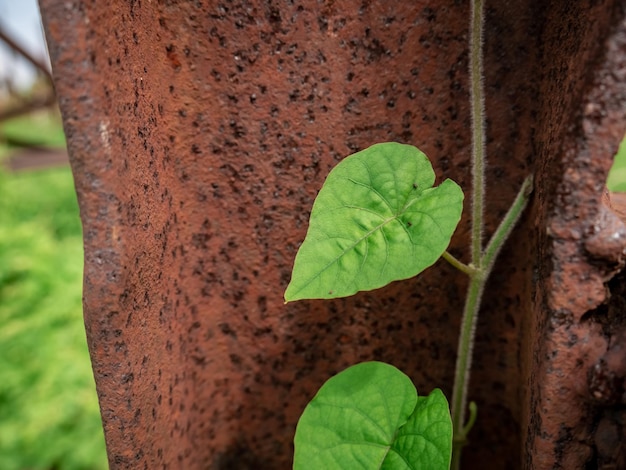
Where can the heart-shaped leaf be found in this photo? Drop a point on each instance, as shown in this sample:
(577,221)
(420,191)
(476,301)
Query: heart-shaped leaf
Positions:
(377,219)
(370,417)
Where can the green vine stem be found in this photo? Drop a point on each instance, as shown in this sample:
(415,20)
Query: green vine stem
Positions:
(481,262)
(478,279)
(506,226)
(477,101)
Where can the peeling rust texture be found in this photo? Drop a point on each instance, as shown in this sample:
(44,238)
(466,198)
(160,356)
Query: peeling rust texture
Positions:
(199,134)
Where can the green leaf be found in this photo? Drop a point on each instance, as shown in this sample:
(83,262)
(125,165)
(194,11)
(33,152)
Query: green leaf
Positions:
(377,219)
(425,442)
(370,417)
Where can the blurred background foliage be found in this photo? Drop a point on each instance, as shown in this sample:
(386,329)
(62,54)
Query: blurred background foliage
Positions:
(49,416)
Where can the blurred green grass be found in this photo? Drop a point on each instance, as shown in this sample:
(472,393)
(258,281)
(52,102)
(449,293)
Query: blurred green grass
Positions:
(49,417)
(41,128)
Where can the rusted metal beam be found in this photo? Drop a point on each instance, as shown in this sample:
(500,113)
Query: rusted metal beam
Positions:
(198,136)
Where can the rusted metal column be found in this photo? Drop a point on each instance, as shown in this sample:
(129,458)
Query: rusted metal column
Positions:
(576,383)
(199,133)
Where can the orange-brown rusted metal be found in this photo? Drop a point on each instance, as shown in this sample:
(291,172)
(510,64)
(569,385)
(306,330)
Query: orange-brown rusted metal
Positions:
(199,133)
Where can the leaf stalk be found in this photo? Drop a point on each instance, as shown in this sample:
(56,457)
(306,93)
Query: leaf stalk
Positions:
(465,268)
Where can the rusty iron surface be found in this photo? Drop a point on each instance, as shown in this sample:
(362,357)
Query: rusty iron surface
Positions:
(584,238)
(199,133)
